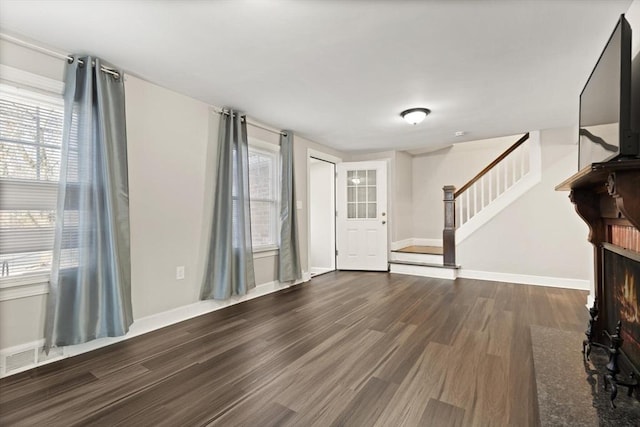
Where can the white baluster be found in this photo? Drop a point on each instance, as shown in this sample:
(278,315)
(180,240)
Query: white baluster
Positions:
(468,204)
(505,171)
(475,198)
(491,186)
(482,204)
(513,168)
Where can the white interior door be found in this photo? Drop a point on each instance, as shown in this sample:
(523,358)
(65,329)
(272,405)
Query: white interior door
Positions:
(361,219)
(322,216)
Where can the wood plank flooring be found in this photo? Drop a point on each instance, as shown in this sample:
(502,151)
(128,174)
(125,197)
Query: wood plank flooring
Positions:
(346,349)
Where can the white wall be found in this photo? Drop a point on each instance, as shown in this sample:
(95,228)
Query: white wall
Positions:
(170,153)
(540,234)
(402,195)
(453,165)
(322,215)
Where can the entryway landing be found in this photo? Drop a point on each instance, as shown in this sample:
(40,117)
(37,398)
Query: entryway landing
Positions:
(430,250)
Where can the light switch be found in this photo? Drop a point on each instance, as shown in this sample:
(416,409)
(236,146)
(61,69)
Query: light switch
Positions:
(180,272)
(298,204)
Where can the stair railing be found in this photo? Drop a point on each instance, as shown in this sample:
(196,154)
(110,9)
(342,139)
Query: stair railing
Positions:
(492,181)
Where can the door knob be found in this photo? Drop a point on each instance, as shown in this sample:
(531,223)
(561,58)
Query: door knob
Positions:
(384,222)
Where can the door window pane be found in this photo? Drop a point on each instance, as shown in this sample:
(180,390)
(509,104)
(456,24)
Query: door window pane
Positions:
(351,210)
(361,194)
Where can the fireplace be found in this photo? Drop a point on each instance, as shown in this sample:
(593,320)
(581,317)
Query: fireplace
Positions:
(607,197)
(621,298)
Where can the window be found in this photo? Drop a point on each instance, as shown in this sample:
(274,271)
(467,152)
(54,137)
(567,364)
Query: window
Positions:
(30,139)
(264,192)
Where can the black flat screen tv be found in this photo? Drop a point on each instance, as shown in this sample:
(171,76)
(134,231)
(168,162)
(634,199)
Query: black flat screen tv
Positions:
(605,132)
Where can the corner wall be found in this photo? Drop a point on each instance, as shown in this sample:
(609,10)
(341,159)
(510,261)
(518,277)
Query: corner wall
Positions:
(539,235)
(172,146)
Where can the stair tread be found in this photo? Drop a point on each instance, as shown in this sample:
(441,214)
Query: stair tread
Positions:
(424,264)
(428,250)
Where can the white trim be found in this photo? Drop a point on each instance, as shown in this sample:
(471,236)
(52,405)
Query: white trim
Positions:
(24,291)
(320,270)
(323,156)
(259,143)
(427,242)
(413,257)
(24,286)
(415,241)
(23,280)
(265,252)
(154,322)
(424,271)
(401,244)
(590,299)
(328,158)
(525,279)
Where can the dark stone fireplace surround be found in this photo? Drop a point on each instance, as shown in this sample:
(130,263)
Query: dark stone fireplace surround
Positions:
(607,197)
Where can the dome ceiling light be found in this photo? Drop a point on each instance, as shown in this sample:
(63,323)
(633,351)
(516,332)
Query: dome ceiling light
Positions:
(415,115)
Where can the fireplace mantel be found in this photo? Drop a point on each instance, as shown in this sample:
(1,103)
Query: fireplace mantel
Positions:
(608,190)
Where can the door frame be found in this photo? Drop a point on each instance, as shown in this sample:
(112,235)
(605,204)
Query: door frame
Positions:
(327,158)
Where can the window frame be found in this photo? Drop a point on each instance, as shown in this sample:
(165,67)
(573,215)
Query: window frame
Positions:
(273,151)
(25,87)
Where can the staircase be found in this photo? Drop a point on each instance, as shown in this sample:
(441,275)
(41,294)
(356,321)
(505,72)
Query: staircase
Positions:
(503,181)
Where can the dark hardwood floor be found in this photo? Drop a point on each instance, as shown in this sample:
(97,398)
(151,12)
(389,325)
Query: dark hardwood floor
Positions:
(353,349)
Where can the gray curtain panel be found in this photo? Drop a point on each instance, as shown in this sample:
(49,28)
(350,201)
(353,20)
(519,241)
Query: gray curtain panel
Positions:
(230,260)
(90,286)
(289,268)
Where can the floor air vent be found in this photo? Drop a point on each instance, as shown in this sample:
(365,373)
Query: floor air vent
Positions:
(19,360)
(26,357)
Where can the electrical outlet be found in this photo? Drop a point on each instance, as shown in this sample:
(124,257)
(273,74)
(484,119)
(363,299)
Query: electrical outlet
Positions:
(180,272)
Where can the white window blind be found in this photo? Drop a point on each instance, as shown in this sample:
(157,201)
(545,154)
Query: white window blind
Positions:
(264,193)
(30,139)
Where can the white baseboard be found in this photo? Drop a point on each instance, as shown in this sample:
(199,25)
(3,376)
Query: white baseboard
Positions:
(146,324)
(415,241)
(590,299)
(401,244)
(427,242)
(555,282)
(320,270)
(424,271)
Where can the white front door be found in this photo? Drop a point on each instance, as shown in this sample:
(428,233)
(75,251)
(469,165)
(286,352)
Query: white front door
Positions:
(361,219)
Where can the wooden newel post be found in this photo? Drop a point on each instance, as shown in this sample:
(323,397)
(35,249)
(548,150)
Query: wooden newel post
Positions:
(449,232)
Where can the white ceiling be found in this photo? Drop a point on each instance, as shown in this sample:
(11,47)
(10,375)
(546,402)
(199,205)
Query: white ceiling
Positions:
(340,72)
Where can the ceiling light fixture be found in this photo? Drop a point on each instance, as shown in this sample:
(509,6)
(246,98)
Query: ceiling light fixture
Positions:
(415,115)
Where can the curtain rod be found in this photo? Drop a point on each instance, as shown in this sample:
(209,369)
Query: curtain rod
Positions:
(255,125)
(53,53)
